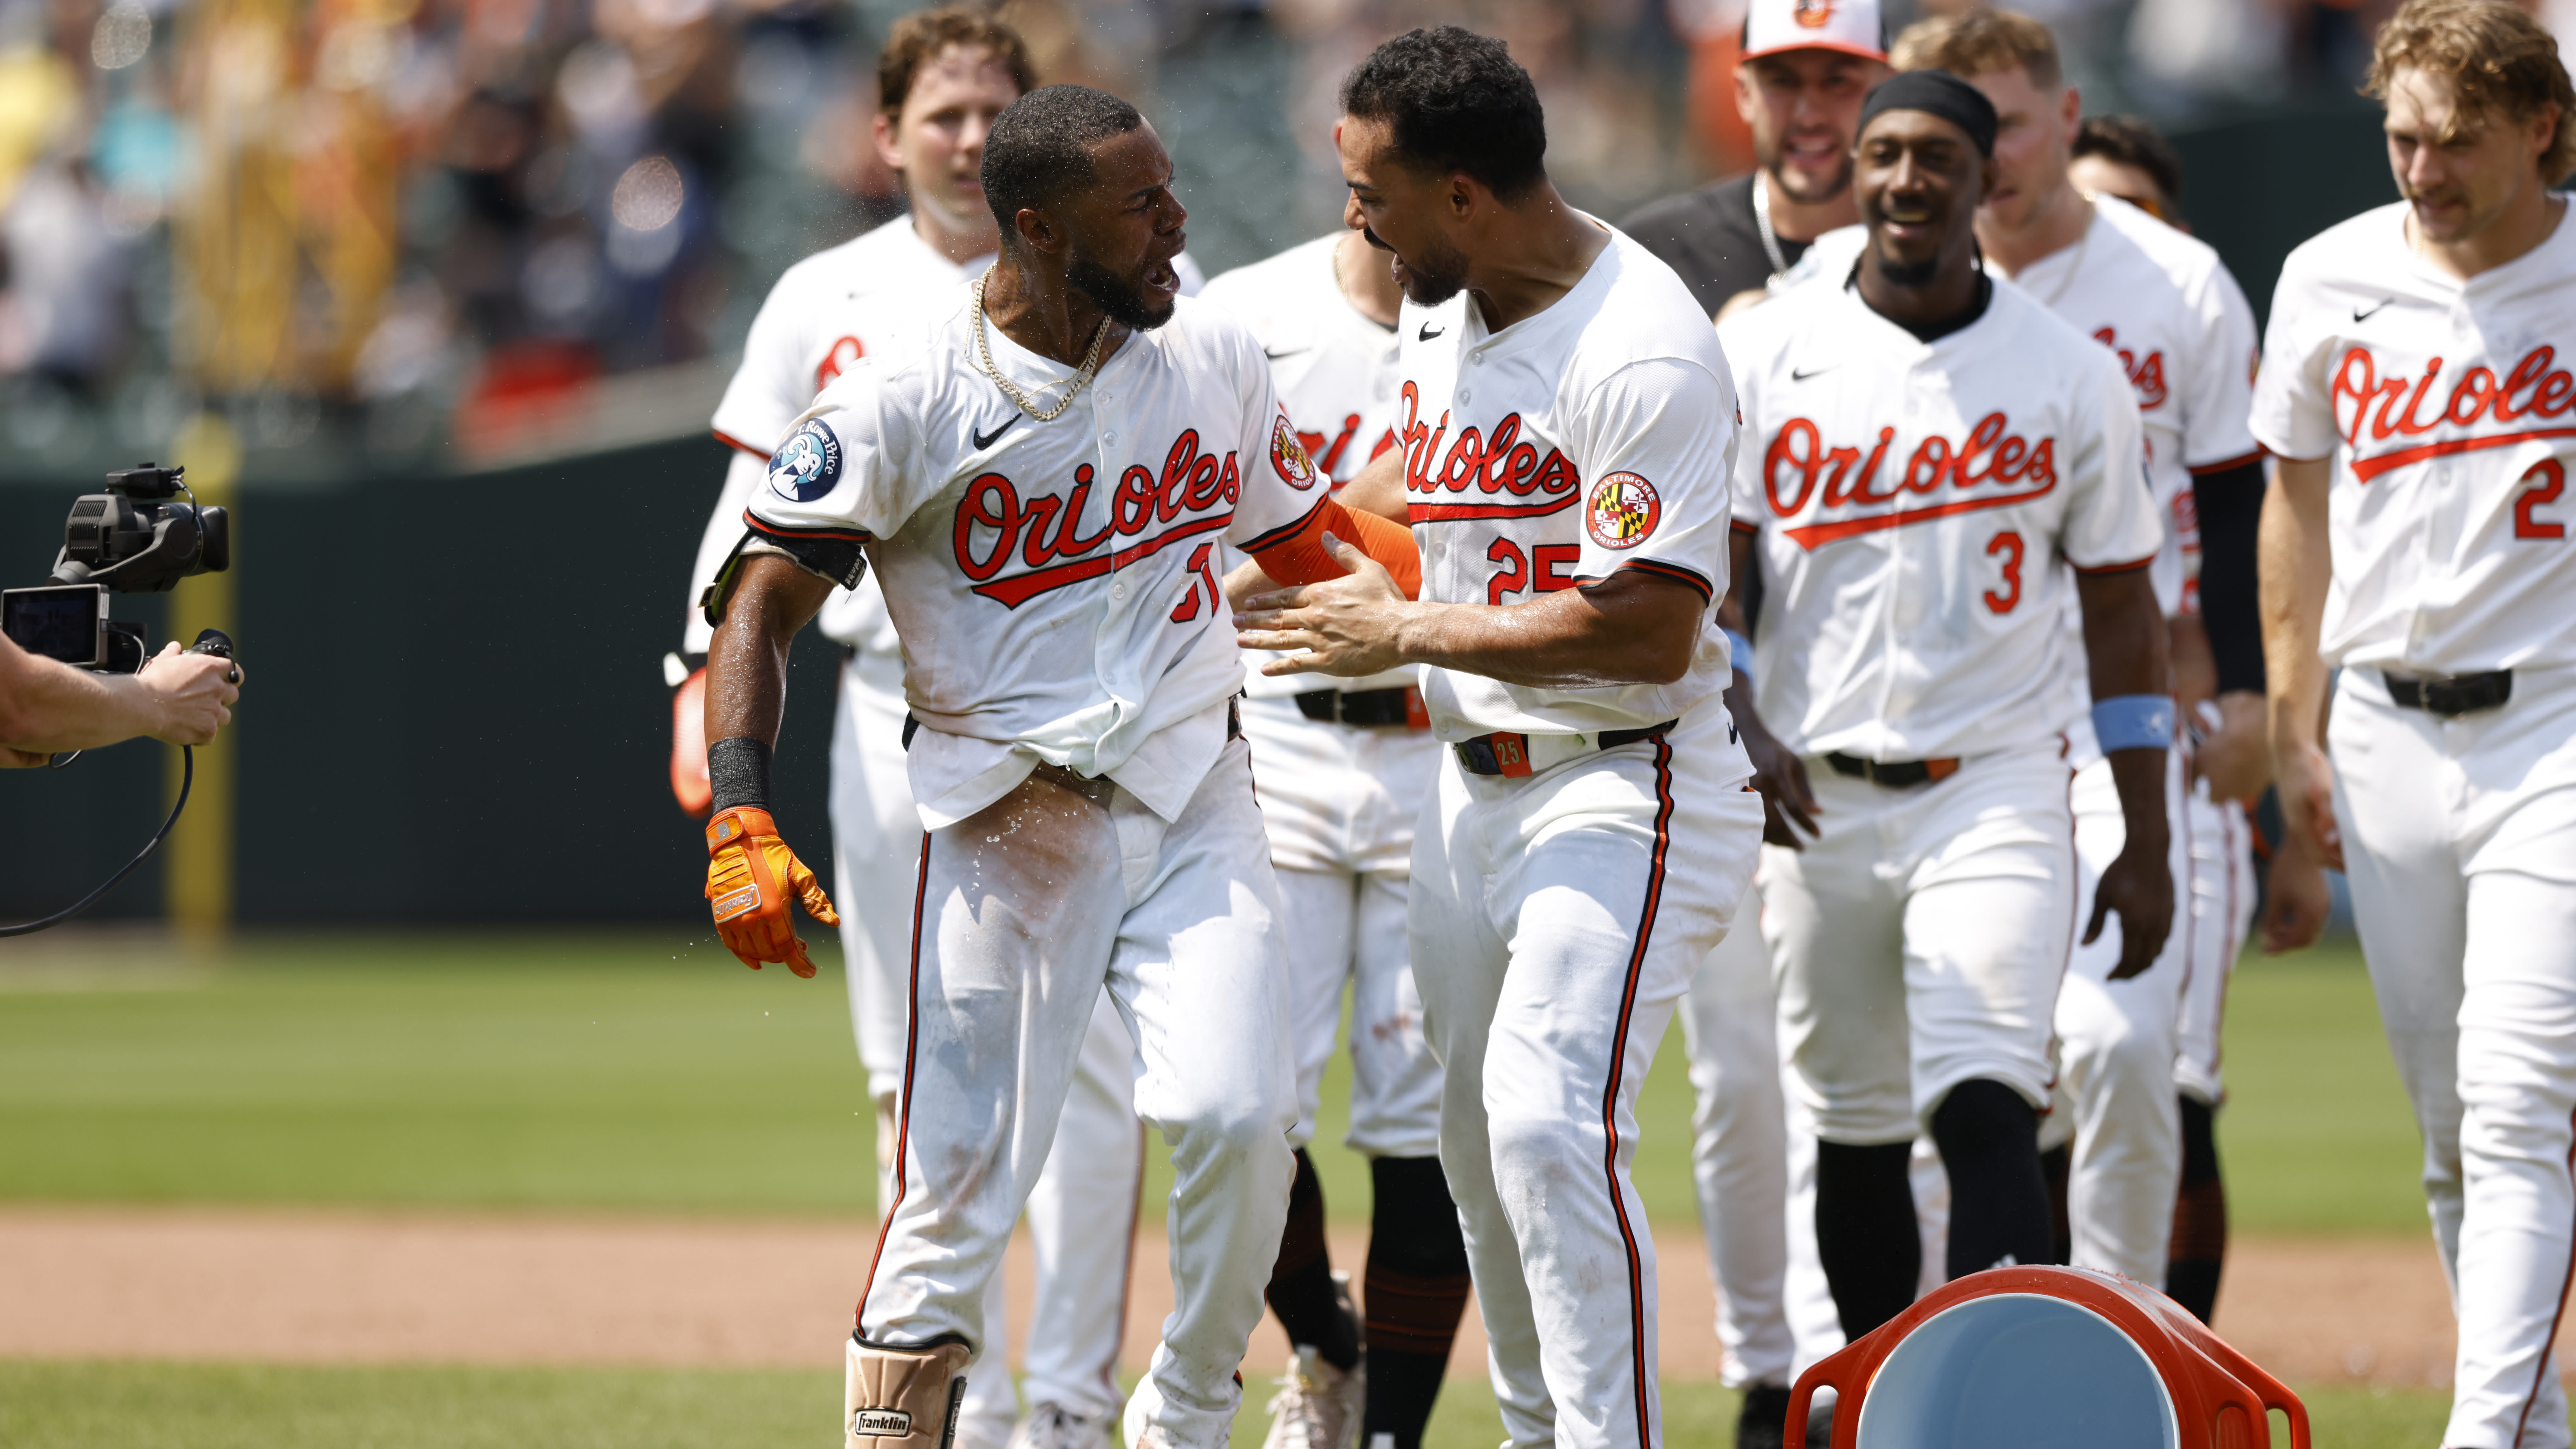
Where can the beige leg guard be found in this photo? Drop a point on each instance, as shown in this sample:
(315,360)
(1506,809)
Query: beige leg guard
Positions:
(904,1398)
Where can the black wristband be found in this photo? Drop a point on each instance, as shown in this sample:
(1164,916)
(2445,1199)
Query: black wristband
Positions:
(738,772)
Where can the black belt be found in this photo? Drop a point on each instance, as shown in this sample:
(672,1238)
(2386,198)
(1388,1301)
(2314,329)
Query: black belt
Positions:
(2457,695)
(1233,723)
(1507,753)
(1399,707)
(1894,774)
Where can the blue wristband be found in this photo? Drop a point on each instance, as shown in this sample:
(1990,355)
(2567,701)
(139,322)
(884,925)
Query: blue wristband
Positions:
(2134,722)
(1739,654)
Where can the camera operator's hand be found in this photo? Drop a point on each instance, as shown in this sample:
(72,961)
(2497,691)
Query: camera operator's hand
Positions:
(192,693)
(47,707)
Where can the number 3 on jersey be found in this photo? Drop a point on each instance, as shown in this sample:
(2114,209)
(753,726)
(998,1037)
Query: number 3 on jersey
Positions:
(2007,544)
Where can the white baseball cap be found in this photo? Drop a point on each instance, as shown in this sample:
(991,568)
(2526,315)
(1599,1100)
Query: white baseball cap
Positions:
(1851,26)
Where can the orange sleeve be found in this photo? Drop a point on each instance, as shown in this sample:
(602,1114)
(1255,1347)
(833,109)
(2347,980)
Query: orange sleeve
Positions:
(1297,556)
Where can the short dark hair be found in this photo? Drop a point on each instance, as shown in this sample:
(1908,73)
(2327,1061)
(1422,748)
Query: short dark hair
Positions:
(1456,101)
(1040,147)
(2131,141)
(919,38)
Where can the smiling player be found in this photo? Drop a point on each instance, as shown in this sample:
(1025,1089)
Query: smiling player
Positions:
(1904,420)
(2419,377)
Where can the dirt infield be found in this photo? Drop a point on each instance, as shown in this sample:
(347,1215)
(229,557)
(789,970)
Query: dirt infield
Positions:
(393,1288)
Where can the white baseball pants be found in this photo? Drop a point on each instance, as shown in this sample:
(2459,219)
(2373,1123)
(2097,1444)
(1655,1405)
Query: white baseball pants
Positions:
(2116,1043)
(2460,838)
(1086,1197)
(1026,910)
(1740,1150)
(1919,941)
(1557,921)
(2222,915)
(1340,803)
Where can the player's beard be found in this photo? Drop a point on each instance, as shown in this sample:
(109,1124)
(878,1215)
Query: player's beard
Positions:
(1912,276)
(1121,299)
(1794,184)
(1435,276)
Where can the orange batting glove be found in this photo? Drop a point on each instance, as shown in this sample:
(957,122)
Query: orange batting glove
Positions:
(750,875)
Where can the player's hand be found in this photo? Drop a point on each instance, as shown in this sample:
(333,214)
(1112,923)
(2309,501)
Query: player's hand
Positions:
(2306,778)
(751,878)
(190,693)
(2139,885)
(1345,626)
(689,783)
(2236,757)
(1787,798)
(2296,900)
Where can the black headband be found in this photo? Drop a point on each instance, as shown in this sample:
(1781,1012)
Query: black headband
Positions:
(1941,94)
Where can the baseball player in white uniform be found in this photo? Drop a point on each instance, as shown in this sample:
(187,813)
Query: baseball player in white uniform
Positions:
(1340,768)
(2419,377)
(2184,335)
(1070,746)
(1566,433)
(949,73)
(1799,87)
(1923,446)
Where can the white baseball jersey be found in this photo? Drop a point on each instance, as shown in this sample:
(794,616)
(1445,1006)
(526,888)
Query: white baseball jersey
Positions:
(826,312)
(1336,372)
(2165,305)
(1913,500)
(2450,416)
(1596,435)
(1055,583)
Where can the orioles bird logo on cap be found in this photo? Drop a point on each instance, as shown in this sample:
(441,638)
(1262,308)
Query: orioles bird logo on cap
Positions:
(1814,14)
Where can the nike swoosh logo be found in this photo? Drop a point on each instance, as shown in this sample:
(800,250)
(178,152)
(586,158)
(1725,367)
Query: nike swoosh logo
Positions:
(1426,334)
(2360,315)
(986,440)
(1797,376)
(1275,353)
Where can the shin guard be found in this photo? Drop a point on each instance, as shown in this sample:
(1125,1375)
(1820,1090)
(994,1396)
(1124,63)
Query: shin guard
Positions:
(904,1398)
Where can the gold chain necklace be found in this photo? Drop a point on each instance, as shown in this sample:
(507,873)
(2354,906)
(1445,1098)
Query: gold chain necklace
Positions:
(1081,375)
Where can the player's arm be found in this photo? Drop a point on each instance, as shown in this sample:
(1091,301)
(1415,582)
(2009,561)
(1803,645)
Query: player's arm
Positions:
(1778,773)
(2237,760)
(751,874)
(1379,489)
(2296,567)
(1633,627)
(2124,645)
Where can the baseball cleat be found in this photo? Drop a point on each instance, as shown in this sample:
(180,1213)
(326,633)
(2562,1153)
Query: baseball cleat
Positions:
(1053,1426)
(1318,1406)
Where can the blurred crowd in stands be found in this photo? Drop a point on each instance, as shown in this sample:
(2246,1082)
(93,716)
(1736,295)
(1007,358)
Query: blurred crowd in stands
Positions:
(373,216)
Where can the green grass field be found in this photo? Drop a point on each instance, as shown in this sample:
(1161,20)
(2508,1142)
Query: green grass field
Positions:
(639,1074)
(634,1074)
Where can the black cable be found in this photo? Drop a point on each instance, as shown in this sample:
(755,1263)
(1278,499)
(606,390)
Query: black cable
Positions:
(187,777)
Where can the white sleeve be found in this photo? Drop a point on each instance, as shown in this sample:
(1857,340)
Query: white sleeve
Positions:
(2293,407)
(2112,521)
(1744,480)
(2218,400)
(853,468)
(1280,485)
(1655,444)
(724,527)
(771,386)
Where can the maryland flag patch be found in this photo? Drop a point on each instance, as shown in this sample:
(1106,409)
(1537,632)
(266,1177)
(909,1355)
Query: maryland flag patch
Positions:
(1622,512)
(1289,456)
